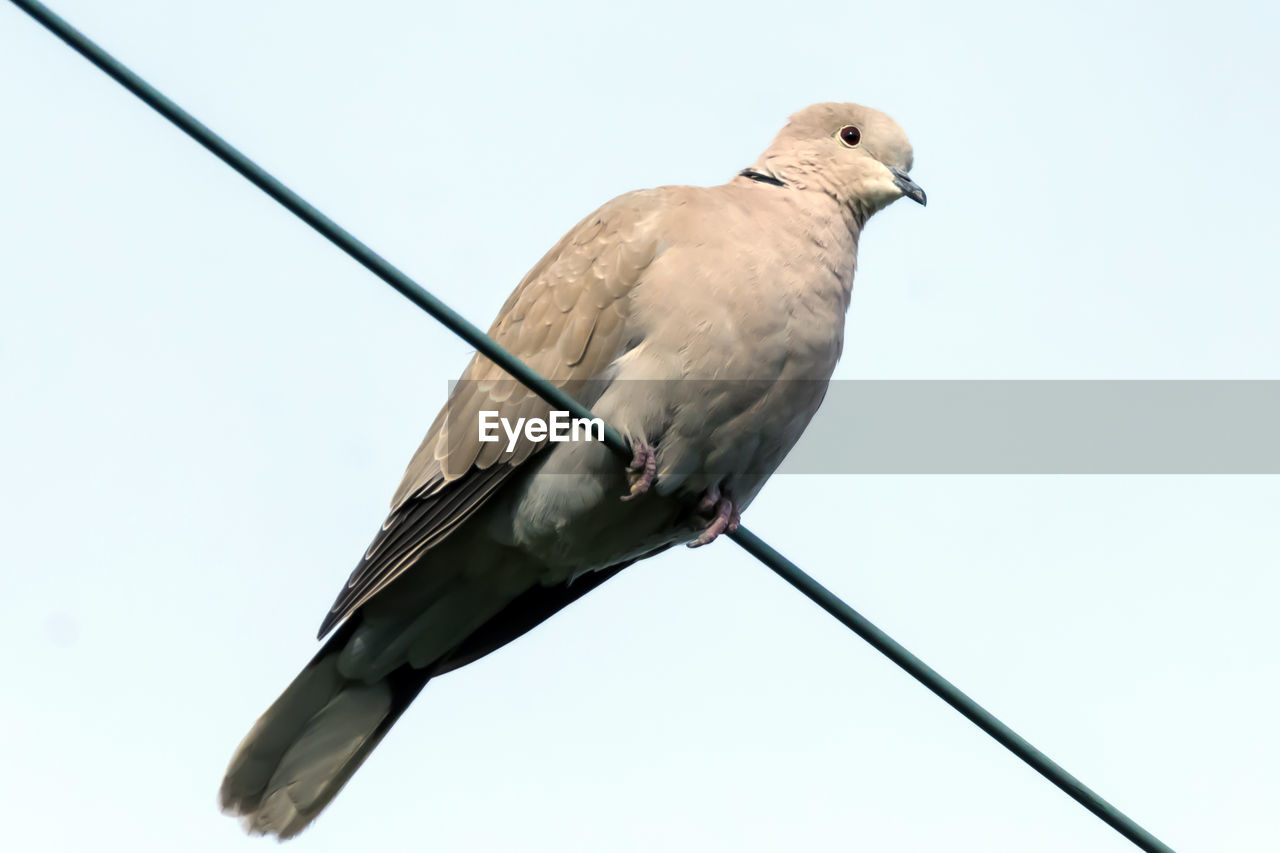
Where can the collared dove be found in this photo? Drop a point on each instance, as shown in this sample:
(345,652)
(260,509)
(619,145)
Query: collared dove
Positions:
(689,289)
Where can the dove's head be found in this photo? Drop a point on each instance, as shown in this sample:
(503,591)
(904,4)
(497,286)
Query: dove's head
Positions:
(855,154)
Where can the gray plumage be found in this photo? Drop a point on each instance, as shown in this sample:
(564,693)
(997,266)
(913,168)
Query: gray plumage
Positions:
(702,322)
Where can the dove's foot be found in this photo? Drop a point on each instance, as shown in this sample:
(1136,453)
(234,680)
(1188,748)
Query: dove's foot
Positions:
(724,516)
(642,470)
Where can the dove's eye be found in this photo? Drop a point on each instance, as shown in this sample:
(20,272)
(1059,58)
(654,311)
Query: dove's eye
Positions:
(850,135)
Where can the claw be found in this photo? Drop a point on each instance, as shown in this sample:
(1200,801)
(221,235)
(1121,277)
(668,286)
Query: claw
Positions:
(644,467)
(726,518)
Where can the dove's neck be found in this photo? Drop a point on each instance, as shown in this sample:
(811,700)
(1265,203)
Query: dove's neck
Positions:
(810,229)
(831,231)
(800,174)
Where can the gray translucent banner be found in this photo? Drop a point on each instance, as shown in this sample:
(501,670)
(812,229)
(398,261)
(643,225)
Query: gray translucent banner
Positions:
(990,426)
(1043,427)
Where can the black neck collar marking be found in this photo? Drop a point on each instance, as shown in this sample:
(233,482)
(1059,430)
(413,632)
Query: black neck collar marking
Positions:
(761,177)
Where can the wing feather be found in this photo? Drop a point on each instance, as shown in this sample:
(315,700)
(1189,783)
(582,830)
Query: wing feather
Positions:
(566,320)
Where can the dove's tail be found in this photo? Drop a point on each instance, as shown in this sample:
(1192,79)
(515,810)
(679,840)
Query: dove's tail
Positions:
(316,735)
(310,741)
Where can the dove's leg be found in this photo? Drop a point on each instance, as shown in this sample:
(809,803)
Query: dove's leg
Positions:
(724,516)
(641,471)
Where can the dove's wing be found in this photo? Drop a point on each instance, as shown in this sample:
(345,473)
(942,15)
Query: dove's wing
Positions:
(566,320)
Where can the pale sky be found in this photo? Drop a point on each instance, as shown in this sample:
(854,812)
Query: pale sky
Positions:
(207,408)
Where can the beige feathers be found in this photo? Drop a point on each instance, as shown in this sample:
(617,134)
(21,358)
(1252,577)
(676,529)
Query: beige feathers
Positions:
(703,323)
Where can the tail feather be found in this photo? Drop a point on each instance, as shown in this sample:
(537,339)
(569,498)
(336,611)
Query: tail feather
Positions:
(315,766)
(311,740)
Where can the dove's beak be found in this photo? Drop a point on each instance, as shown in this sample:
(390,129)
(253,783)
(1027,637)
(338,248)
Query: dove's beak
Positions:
(909,188)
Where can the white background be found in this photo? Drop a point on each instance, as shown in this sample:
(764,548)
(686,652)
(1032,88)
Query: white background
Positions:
(206,408)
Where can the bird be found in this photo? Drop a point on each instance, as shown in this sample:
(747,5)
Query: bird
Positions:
(704,324)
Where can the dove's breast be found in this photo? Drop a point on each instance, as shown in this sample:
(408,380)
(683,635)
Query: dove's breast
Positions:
(734,331)
(747,312)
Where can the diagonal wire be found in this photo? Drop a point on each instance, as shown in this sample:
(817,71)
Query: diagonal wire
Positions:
(460,326)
